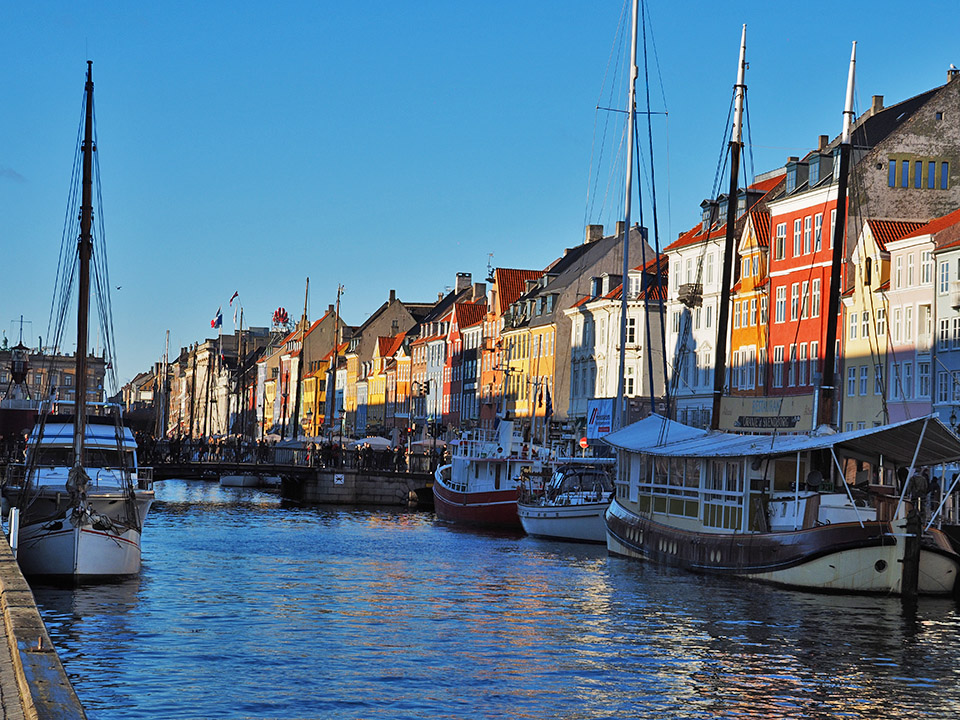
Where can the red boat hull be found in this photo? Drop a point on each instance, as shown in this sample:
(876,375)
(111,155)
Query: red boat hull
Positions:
(497,508)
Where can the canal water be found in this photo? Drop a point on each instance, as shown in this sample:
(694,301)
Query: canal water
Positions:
(247,608)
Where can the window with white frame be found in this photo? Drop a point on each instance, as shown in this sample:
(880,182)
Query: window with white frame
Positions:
(943,339)
(908,323)
(780,309)
(865,324)
(815,298)
(864,378)
(805,300)
(792,368)
(923,379)
(944,278)
(878,380)
(780,242)
(807,245)
(853,326)
(802,366)
(794,301)
(881,322)
(926,267)
(797,238)
(778,366)
(851,381)
(943,387)
(817,230)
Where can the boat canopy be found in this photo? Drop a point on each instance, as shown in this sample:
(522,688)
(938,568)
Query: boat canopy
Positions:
(896,442)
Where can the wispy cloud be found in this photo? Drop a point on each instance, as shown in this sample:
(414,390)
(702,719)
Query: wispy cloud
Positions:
(11,174)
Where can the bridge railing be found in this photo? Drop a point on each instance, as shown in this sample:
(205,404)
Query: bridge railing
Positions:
(197,452)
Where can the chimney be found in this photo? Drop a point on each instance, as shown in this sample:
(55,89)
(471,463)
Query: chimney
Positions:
(464,280)
(330,308)
(393,295)
(479,290)
(876,104)
(594,232)
(824,141)
(620,226)
(952,73)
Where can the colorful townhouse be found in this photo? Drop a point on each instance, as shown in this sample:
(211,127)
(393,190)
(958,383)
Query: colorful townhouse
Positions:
(473,338)
(595,344)
(539,313)
(866,340)
(693,301)
(506,287)
(749,319)
(945,234)
(461,360)
(882,322)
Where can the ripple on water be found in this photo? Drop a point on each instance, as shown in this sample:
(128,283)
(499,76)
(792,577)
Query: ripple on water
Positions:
(249,609)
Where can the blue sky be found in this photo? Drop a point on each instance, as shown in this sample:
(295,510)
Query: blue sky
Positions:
(244,147)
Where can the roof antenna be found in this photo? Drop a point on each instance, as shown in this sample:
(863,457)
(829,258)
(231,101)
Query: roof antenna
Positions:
(489,267)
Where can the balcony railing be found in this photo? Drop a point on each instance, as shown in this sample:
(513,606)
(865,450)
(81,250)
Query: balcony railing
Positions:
(690,294)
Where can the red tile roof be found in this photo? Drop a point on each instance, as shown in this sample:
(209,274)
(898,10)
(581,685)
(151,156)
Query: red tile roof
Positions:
(938,225)
(885,231)
(469,314)
(389,345)
(694,236)
(761,227)
(511,284)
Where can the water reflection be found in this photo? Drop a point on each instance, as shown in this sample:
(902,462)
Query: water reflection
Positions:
(248,608)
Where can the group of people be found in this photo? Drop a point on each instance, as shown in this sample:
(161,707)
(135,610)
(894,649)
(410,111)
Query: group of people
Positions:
(235,449)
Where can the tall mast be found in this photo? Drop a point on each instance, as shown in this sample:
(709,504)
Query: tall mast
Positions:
(827,395)
(331,410)
(301,360)
(619,411)
(85,249)
(729,245)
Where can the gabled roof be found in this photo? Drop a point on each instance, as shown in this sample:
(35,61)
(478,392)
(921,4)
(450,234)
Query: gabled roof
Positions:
(387,346)
(761,227)
(512,283)
(886,231)
(694,236)
(469,314)
(935,226)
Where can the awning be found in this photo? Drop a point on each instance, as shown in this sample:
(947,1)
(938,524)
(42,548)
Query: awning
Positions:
(897,442)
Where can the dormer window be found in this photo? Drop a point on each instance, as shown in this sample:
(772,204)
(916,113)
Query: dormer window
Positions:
(814,171)
(868,272)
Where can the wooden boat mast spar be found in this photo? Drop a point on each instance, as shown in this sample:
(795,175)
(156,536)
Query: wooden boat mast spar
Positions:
(827,393)
(85,249)
(619,410)
(723,315)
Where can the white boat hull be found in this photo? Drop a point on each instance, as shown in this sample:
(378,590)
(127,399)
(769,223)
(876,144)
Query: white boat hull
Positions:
(58,548)
(583,523)
(834,558)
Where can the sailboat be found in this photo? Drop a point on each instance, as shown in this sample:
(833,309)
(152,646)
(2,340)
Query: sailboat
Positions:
(79,500)
(779,508)
(572,502)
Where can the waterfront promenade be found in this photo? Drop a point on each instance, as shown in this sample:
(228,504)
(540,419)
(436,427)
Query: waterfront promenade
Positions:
(33,683)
